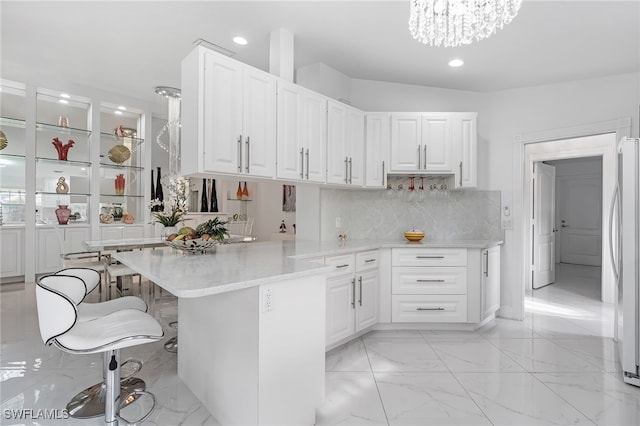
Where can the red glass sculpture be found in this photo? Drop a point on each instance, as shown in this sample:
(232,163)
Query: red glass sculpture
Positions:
(63,149)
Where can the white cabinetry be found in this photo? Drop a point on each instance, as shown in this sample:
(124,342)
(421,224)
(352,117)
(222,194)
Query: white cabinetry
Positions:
(228,111)
(406,139)
(12,249)
(437,143)
(345,144)
(55,241)
(301,134)
(490,282)
(465,137)
(429,285)
(377,136)
(352,294)
(120,232)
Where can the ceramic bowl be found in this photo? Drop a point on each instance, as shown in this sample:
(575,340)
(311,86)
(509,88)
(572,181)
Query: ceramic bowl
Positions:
(414,235)
(192,246)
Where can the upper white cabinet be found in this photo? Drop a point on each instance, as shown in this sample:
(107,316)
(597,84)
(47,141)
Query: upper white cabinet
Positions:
(465,137)
(345,144)
(406,140)
(228,116)
(301,134)
(377,148)
(437,146)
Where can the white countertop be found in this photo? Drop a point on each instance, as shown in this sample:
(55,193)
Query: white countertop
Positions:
(237,266)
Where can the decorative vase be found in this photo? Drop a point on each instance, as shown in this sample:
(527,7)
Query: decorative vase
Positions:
(245,192)
(214,197)
(63,149)
(159,193)
(153,192)
(117,212)
(119,183)
(239,191)
(63,121)
(204,204)
(168,230)
(62,187)
(3,140)
(62,214)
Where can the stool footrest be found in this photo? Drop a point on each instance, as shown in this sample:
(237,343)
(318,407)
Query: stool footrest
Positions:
(133,396)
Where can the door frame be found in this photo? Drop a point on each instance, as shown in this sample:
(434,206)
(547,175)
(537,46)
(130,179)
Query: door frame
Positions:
(621,127)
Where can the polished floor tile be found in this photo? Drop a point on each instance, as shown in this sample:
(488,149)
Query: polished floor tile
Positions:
(351,399)
(473,355)
(402,354)
(351,356)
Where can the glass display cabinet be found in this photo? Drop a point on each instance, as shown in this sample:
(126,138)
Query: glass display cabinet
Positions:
(63,157)
(12,153)
(121,167)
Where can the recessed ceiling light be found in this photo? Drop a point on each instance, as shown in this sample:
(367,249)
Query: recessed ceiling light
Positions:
(117,112)
(122,108)
(456,63)
(240,40)
(63,101)
(64,95)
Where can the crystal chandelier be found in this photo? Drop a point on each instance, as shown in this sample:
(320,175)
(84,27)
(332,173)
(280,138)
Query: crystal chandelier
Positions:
(455,22)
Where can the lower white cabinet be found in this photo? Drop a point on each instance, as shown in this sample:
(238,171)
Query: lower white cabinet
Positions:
(53,242)
(429,308)
(490,281)
(120,232)
(12,249)
(352,294)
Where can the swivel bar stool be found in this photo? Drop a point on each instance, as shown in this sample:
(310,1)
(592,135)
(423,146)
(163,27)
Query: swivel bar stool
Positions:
(91,402)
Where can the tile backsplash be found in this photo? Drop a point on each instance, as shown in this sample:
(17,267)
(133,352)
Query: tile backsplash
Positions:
(386,214)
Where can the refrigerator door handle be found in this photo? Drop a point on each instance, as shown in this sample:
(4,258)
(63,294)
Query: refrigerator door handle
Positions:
(614,203)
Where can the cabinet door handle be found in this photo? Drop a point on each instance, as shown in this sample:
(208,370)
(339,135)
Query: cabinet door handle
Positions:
(240,154)
(430,309)
(301,163)
(425,156)
(461,173)
(350,170)
(419,157)
(369,260)
(248,150)
(383,176)
(307,164)
(429,281)
(342,266)
(486,263)
(429,257)
(353,286)
(346,169)
(360,282)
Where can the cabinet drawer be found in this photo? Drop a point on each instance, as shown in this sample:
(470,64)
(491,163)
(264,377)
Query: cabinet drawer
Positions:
(366,260)
(344,264)
(429,257)
(434,280)
(429,308)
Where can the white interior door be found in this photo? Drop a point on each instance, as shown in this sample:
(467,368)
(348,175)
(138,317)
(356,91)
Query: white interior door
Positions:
(544,196)
(580,213)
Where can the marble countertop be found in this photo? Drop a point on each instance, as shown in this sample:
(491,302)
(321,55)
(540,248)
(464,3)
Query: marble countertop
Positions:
(237,266)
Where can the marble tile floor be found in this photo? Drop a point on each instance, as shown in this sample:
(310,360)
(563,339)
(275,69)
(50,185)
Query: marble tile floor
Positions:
(559,366)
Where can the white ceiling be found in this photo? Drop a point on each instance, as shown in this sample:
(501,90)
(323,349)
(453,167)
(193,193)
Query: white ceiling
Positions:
(132,47)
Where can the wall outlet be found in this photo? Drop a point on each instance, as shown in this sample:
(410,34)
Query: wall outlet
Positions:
(507,224)
(267,300)
(338,222)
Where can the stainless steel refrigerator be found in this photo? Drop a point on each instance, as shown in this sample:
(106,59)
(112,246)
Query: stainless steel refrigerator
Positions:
(625,251)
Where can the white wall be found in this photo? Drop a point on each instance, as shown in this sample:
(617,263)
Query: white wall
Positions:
(323,79)
(269,212)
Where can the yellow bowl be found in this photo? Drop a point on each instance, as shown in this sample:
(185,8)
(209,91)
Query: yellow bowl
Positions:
(414,236)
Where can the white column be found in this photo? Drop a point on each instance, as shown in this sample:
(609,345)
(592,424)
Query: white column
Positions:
(281,54)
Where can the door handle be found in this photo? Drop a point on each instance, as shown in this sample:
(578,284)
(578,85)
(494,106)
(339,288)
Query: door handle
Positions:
(240,154)
(486,263)
(425,156)
(461,173)
(346,169)
(350,170)
(307,164)
(564,226)
(353,286)
(383,175)
(419,157)
(301,163)
(360,282)
(247,148)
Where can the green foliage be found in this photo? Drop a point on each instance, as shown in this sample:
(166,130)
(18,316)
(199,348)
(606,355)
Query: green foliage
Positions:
(215,228)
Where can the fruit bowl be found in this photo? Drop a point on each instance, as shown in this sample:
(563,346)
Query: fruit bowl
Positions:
(192,246)
(414,235)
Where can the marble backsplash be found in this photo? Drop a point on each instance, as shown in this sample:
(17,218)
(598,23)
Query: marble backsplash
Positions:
(386,214)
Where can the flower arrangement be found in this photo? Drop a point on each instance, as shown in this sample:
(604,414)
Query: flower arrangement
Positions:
(175,208)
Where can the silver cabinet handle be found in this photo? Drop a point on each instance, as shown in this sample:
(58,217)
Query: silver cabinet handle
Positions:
(307,164)
(246,167)
(240,154)
(346,169)
(430,309)
(461,173)
(360,282)
(384,176)
(425,156)
(301,163)
(369,260)
(429,281)
(353,286)
(350,170)
(429,257)
(486,263)
(419,157)
(342,266)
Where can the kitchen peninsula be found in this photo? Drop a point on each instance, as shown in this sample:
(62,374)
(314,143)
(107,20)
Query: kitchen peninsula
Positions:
(252,318)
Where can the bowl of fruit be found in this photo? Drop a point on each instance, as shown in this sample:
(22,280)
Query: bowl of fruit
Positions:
(205,237)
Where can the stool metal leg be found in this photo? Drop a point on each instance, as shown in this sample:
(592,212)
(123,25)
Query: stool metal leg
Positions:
(112,383)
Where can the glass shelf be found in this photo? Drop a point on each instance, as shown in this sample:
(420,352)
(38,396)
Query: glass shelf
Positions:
(9,156)
(122,196)
(121,167)
(112,137)
(43,127)
(12,122)
(238,199)
(63,195)
(63,163)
